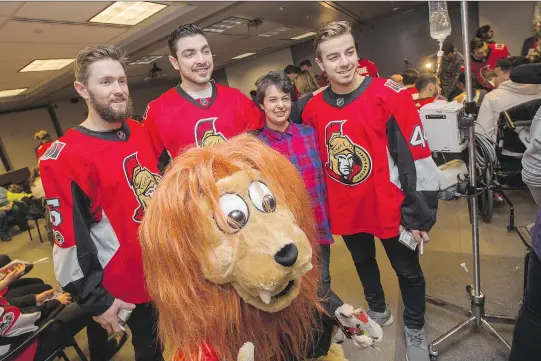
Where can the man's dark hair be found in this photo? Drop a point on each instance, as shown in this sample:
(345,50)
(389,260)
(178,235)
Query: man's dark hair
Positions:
(182,31)
(508,64)
(448,47)
(424,79)
(292,69)
(482,32)
(277,78)
(305,62)
(409,76)
(477,43)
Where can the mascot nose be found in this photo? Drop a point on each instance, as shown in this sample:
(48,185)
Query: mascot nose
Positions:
(287,256)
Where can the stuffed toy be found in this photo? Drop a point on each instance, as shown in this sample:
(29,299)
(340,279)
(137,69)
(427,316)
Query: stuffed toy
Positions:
(229,249)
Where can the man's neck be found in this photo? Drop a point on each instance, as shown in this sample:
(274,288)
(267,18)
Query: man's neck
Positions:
(346,89)
(95,123)
(409,86)
(191,87)
(426,94)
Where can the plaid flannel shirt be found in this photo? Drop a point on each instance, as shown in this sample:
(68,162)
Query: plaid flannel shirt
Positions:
(299,144)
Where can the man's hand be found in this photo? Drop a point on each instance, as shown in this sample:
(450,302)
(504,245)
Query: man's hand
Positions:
(64,298)
(418,235)
(109,320)
(15,273)
(43,296)
(9,206)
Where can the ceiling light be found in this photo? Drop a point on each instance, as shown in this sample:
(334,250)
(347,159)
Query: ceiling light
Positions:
(225,24)
(127,13)
(428,65)
(305,35)
(276,31)
(46,65)
(243,55)
(146,59)
(11,92)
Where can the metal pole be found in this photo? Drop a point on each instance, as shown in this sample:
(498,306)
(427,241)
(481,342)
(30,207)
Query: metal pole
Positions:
(471,149)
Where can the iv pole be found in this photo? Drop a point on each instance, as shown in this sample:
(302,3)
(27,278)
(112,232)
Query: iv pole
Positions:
(476,315)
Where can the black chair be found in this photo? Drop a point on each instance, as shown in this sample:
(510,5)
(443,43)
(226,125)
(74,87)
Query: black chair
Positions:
(51,320)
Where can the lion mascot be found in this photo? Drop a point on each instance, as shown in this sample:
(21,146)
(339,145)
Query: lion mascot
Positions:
(229,249)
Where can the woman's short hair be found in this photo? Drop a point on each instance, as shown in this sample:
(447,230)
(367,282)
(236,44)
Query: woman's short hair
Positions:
(277,78)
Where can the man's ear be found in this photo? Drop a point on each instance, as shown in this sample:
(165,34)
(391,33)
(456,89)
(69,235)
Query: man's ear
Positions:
(173,62)
(81,89)
(320,64)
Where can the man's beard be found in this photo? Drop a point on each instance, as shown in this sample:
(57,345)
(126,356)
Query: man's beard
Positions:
(110,115)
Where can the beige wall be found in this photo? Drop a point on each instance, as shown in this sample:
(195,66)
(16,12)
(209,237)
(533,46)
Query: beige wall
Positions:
(511,21)
(244,74)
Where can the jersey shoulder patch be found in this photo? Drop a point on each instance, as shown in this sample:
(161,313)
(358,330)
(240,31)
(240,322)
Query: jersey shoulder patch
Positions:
(394,85)
(54,151)
(499,46)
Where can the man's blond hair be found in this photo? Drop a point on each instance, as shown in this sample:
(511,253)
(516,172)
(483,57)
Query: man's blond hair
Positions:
(329,31)
(89,56)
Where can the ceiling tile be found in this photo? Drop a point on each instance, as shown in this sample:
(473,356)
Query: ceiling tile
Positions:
(29,51)
(27,32)
(79,11)
(8,7)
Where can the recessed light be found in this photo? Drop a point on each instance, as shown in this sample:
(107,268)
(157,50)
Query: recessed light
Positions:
(225,24)
(305,35)
(46,65)
(11,92)
(146,59)
(245,55)
(127,13)
(276,31)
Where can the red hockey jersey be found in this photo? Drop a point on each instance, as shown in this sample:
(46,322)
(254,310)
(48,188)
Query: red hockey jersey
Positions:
(367,68)
(414,92)
(176,121)
(98,186)
(378,166)
(420,102)
(484,70)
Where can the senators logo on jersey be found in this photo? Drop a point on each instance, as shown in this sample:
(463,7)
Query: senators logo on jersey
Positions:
(347,162)
(143,183)
(54,151)
(206,134)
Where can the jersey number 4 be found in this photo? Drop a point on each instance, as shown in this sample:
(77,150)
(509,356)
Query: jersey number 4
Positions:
(418,138)
(54,214)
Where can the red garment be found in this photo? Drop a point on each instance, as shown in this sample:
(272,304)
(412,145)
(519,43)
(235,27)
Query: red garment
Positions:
(367,68)
(414,92)
(374,152)
(419,103)
(98,185)
(483,70)
(42,148)
(176,121)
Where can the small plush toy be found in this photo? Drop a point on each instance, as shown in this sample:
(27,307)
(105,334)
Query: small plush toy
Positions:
(229,249)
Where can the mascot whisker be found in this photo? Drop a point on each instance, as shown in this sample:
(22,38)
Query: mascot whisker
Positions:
(229,249)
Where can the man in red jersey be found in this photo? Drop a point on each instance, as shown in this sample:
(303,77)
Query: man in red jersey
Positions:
(429,89)
(484,57)
(379,174)
(98,179)
(197,111)
(408,79)
(366,67)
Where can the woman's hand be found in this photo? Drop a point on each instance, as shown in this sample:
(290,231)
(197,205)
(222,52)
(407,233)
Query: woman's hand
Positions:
(43,296)
(15,273)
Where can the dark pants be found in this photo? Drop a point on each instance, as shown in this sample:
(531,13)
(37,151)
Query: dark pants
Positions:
(72,320)
(143,323)
(20,219)
(404,261)
(527,333)
(26,286)
(325,291)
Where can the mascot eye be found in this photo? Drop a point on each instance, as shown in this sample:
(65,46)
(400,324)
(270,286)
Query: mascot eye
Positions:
(236,210)
(262,197)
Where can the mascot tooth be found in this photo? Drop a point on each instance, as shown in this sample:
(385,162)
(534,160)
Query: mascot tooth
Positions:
(229,248)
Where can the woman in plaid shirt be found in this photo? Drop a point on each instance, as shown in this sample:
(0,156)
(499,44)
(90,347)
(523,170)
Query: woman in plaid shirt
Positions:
(298,143)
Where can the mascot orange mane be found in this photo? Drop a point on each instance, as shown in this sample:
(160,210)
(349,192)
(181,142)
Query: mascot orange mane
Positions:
(229,248)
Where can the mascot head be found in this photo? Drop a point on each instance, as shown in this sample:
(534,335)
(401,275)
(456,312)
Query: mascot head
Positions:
(229,252)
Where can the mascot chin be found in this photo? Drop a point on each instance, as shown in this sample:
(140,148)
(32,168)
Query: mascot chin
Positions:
(229,249)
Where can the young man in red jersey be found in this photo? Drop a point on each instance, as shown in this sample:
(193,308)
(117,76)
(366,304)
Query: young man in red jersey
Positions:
(379,174)
(197,111)
(98,180)
(429,89)
(408,80)
(484,57)
(366,67)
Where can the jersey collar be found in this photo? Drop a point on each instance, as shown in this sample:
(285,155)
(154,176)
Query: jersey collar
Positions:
(341,100)
(186,96)
(121,134)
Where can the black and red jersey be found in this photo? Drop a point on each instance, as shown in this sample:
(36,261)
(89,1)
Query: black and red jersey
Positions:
(483,70)
(98,186)
(378,167)
(414,92)
(366,67)
(175,120)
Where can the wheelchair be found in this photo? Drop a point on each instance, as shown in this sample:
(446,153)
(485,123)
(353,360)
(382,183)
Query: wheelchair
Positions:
(500,165)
